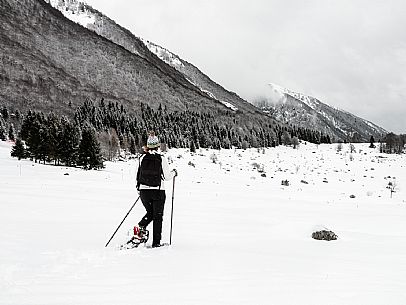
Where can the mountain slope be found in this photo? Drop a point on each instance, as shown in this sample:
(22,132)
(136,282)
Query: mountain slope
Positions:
(308,112)
(50,61)
(104,26)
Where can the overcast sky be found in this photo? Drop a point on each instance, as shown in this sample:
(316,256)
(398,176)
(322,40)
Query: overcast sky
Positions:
(348,53)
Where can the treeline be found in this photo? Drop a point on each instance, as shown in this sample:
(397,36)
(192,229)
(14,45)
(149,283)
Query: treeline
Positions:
(102,129)
(182,129)
(393,144)
(55,139)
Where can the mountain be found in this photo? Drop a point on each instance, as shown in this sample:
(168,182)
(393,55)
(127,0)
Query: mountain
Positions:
(51,62)
(104,26)
(309,112)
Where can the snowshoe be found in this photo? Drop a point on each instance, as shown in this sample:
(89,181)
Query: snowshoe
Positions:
(140,236)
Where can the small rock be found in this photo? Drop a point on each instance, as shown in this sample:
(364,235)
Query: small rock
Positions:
(324,235)
(66,174)
(285,182)
(263,175)
(352,196)
(305,182)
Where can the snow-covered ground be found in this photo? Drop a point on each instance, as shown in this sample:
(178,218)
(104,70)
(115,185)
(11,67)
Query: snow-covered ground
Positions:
(238,237)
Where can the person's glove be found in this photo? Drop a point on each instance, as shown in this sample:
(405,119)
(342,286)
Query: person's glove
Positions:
(175,171)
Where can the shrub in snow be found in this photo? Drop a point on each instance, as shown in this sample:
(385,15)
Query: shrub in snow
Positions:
(297,168)
(352,148)
(285,182)
(258,167)
(213,158)
(324,235)
(164,147)
(391,186)
(303,181)
(339,147)
(352,196)
(191,164)
(295,142)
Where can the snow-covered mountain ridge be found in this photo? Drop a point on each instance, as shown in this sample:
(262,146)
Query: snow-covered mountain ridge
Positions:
(180,65)
(309,112)
(88,17)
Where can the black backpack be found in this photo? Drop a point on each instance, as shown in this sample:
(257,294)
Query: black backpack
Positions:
(150,170)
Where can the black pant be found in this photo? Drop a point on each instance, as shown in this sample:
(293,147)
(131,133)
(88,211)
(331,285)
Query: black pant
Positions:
(153,201)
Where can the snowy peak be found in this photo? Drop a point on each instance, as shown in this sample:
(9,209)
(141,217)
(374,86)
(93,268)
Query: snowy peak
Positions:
(306,111)
(308,100)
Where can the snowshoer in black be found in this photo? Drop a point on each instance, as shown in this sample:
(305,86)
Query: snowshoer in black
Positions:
(152,171)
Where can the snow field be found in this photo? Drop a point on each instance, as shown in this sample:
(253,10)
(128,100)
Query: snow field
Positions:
(238,237)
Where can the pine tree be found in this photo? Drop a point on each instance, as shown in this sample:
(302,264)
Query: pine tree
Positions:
(30,133)
(192,146)
(11,133)
(4,113)
(69,143)
(2,131)
(372,142)
(89,150)
(287,140)
(53,127)
(133,148)
(18,150)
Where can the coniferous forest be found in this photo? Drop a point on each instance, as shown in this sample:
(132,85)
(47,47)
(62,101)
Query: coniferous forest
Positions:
(98,131)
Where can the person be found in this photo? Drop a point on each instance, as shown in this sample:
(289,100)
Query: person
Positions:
(152,193)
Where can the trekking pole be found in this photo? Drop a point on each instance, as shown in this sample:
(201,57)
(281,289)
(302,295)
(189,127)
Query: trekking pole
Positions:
(173,195)
(122,222)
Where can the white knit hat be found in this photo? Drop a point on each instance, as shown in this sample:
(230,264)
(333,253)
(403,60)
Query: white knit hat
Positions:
(153,142)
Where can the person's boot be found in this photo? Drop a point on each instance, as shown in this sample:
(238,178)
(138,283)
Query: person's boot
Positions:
(141,233)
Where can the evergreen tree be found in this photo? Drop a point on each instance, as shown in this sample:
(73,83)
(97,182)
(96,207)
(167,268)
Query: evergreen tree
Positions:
(69,143)
(11,133)
(18,150)
(53,137)
(192,146)
(2,131)
(30,133)
(286,139)
(133,148)
(372,142)
(89,150)
(4,113)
